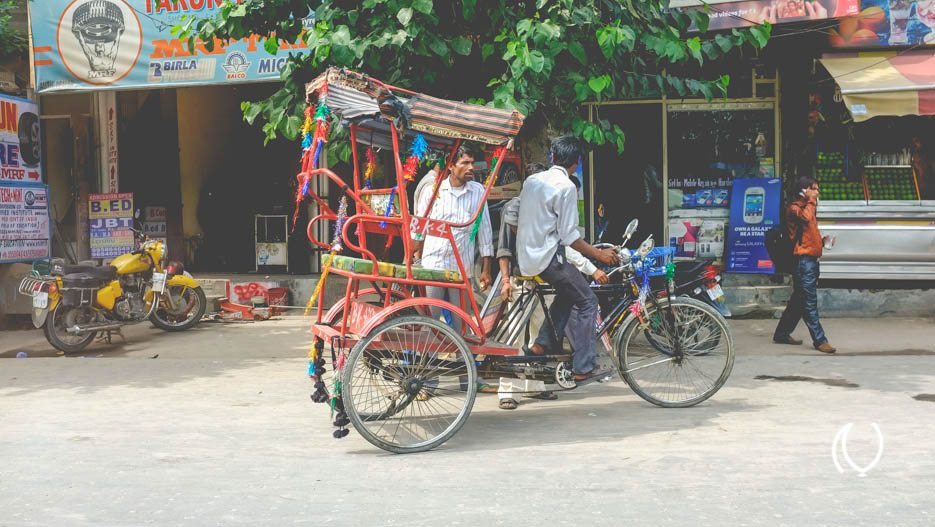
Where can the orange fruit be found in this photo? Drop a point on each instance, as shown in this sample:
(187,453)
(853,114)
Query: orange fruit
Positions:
(848,26)
(836,40)
(864,37)
(872,18)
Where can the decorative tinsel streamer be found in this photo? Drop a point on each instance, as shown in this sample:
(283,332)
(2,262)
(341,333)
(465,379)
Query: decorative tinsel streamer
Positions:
(371,167)
(389,207)
(336,247)
(493,165)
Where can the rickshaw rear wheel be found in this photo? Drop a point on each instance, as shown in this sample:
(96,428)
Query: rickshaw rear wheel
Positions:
(410,384)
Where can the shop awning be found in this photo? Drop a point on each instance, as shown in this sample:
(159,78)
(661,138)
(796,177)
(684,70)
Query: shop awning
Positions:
(885,83)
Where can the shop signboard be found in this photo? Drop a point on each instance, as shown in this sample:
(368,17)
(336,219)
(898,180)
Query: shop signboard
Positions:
(111,219)
(20,148)
(726,14)
(883,23)
(754,210)
(24,222)
(95,44)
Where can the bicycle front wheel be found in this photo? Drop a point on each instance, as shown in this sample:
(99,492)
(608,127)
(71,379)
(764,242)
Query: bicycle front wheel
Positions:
(649,363)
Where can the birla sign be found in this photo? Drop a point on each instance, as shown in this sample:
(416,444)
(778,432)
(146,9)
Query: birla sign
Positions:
(94,44)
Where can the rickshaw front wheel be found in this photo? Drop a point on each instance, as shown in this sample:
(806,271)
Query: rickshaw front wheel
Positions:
(410,384)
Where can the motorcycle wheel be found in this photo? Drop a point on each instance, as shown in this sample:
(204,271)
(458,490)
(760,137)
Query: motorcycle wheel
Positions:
(63,317)
(193,304)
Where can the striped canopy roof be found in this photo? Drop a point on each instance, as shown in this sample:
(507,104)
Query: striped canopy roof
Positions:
(355,97)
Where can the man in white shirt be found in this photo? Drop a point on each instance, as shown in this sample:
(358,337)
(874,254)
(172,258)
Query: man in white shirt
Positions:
(548,221)
(458,198)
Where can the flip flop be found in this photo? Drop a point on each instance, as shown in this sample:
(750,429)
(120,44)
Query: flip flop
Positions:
(595,375)
(508,404)
(529,352)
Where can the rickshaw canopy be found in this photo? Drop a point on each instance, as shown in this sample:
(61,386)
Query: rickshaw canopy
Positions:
(372,105)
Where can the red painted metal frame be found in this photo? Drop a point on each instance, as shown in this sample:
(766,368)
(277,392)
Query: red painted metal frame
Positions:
(367,220)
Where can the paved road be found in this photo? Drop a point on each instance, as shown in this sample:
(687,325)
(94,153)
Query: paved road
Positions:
(214,427)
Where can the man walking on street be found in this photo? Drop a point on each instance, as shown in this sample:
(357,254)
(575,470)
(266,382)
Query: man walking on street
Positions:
(802,224)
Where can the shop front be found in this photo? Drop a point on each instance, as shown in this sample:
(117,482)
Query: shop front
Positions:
(873,136)
(681,161)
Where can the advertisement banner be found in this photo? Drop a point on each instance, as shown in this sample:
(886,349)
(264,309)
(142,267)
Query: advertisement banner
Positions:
(754,210)
(110,218)
(883,23)
(726,14)
(93,44)
(24,222)
(20,148)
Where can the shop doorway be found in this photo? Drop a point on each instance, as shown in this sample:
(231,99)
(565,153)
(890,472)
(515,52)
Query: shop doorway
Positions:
(630,185)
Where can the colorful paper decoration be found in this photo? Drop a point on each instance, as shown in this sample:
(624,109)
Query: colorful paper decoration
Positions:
(314,136)
(336,247)
(371,167)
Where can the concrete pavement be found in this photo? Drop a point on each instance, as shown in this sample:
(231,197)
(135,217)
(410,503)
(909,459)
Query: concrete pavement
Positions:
(215,427)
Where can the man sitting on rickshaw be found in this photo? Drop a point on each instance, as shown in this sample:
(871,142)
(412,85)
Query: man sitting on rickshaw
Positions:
(548,222)
(459,196)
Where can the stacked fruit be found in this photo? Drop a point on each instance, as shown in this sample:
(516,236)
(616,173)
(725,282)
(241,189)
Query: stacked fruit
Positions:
(830,159)
(891,183)
(829,175)
(842,191)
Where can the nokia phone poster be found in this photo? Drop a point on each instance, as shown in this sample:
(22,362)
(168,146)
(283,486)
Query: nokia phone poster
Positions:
(754,209)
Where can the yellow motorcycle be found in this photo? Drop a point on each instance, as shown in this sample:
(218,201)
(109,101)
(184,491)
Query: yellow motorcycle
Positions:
(73,303)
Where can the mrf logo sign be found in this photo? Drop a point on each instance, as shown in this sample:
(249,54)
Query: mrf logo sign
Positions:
(20,138)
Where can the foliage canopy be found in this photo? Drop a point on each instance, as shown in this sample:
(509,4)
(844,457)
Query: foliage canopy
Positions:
(542,57)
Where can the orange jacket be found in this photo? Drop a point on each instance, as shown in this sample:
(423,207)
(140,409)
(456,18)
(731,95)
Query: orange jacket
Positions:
(801,215)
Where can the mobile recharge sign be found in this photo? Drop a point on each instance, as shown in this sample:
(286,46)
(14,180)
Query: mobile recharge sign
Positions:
(24,222)
(754,209)
(20,151)
(111,218)
(94,44)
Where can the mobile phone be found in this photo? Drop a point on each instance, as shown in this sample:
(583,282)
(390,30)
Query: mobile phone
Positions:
(753,201)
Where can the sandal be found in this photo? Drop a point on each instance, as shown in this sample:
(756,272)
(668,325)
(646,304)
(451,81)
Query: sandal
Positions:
(508,404)
(596,375)
(529,352)
(544,396)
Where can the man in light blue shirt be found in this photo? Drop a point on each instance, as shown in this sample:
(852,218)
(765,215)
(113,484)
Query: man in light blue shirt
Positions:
(548,221)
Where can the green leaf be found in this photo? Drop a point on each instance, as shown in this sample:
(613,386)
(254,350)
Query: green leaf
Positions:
(760,34)
(341,36)
(598,84)
(239,11)
(468,8)
(537,61)
(250,111)
(694,47)
(723,42)
(399,38)
(422,6)
(577,51)
(438,46)
(486,51)
(271,45)
(582,91)
(461,45)
(523,26)
(404,16)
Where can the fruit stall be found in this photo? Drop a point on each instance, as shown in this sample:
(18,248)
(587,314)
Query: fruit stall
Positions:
(877,184)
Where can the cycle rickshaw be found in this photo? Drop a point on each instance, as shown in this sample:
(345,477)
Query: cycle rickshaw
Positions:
(407,381)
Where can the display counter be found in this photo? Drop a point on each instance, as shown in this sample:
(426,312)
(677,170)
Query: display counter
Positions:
(878,240)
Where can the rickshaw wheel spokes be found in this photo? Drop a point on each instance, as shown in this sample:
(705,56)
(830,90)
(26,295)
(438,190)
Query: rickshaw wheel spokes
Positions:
(648,361)
(409,386)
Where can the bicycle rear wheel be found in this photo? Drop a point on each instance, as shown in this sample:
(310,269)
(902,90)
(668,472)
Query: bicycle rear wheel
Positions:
(649,364)
(409,386)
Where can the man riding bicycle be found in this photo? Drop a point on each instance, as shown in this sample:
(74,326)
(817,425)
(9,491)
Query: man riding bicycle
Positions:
(548,222)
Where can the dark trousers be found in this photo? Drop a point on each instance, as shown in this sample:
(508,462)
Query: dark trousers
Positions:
(804,302)
(574,313)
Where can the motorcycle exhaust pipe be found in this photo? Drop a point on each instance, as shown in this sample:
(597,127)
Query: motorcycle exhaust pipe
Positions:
(79,330)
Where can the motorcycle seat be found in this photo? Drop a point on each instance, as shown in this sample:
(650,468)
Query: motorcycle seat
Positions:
(88,273)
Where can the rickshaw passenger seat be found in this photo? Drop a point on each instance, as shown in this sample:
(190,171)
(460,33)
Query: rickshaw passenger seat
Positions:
(365,266)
